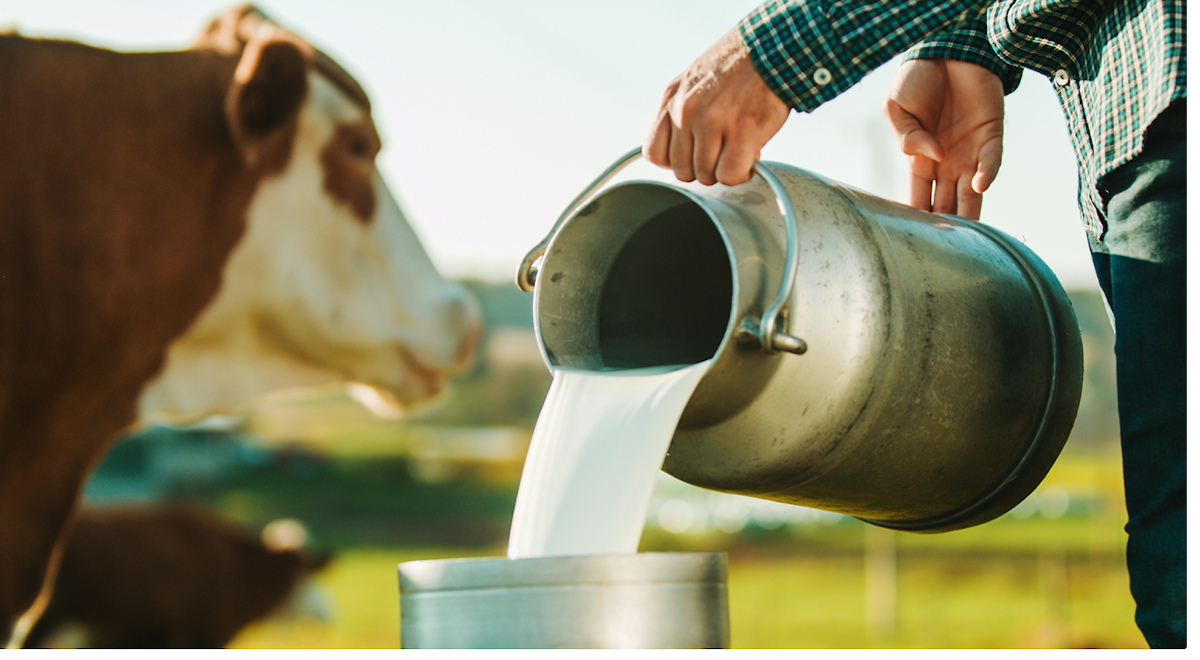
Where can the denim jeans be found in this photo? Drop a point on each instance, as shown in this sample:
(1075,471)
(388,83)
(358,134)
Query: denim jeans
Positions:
(1141,263)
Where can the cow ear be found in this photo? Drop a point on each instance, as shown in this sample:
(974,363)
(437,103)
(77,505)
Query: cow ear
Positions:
(269,84)
(228,32)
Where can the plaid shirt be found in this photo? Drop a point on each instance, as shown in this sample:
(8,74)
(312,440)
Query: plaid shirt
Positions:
(1115,65)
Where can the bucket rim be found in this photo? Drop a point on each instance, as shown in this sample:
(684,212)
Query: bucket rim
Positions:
(482,573)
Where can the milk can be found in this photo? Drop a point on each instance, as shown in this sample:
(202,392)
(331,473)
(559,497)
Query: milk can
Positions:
(918,371)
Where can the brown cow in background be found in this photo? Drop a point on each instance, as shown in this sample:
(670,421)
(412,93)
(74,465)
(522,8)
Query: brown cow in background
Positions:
(183,231)
(166,577)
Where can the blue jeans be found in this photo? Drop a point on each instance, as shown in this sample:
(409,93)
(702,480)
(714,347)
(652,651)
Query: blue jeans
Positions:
(1141,262)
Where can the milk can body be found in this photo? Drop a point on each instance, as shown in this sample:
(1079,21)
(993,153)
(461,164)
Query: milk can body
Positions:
(939,365)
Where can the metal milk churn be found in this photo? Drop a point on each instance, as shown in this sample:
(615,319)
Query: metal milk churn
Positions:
(918,371)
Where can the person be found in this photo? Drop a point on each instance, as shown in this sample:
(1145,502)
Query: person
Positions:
(1119,70)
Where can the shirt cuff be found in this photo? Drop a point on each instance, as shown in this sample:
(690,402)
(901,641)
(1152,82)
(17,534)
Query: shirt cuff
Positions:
(789,50)
(809,51)
(968,44)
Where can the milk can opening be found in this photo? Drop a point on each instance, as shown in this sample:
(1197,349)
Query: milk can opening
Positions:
(640,277)
(667,298)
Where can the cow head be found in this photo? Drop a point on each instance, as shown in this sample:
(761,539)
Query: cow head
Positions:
(329,281)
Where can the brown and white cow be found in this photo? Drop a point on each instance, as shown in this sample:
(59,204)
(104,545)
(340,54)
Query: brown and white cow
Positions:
(181,231)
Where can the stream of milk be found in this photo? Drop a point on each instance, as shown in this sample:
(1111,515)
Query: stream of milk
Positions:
(596,450)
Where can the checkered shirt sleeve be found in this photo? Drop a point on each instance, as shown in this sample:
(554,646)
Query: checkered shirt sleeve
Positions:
(1115,64)
(968,44)
(809,51)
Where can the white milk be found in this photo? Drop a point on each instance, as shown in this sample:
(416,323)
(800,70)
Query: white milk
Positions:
(598,445)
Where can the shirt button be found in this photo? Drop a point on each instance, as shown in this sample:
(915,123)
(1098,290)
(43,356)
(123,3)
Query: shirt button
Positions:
(1061,77)
(822,76)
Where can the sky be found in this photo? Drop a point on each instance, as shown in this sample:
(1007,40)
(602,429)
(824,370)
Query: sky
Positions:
(496,113)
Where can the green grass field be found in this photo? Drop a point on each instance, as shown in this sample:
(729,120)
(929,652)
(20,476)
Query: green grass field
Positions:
(1013,583)
(1025,580)
(942,600)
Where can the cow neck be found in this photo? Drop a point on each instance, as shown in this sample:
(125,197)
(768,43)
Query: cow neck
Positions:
(130,199)
(123,198)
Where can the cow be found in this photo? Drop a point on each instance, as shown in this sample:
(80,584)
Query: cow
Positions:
(169,576)
(181,231)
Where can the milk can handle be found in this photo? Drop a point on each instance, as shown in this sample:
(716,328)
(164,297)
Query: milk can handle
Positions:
(527,273)
(764,330)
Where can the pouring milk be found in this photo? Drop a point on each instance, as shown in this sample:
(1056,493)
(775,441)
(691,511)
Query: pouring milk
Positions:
(597,447)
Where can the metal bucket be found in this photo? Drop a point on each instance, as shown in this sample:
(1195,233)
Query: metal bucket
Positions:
(645,600)
(921,372)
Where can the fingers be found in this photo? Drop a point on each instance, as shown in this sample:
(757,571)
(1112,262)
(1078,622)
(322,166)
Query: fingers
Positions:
(969,202)
(706,149)
(680,152)
(989,165)
(654,146)
(924,152)
(670,143)
(945,196)
(696,151)
(921,172)
(973,183)
(971,189)
(715,117)
(703,157)
(735,163)
(955,195)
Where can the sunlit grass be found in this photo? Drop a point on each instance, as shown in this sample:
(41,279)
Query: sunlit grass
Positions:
(1022,581)
(995,602)
(945,599)
(365,594)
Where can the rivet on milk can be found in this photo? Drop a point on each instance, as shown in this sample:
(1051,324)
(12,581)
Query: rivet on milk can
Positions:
(633,601)
(918,371)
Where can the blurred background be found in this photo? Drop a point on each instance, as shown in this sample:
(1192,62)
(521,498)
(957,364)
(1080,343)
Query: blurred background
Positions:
(494,116)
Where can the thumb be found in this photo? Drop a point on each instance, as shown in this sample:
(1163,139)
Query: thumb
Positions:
(921,142)
(911,136)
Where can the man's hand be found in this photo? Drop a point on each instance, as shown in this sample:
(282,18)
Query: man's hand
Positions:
(948,117)
(715,117)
